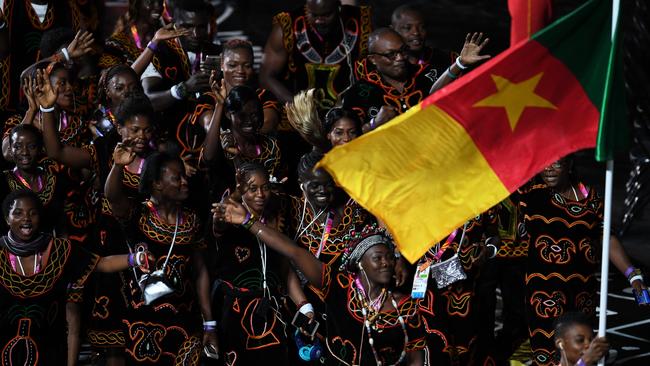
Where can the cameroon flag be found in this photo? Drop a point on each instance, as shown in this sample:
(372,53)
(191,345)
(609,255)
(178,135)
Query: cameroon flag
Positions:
(468,146)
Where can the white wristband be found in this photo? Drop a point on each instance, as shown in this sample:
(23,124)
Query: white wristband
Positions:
(46,110)
(637,277)
(138,260)
(174,92)
(211,322)
(65,53)
(462,67)
(306,308)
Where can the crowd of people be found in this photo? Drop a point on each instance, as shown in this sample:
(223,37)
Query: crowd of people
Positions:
(161,201)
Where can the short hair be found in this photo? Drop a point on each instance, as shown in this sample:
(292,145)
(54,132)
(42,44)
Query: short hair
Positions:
(194,6)
(245,170)
(568,320)
(239,96)
(238,44)
(54,39)
(307,163)
(13,196)
(134,104)
(108,74)
(22,128)
(152,170)
(400,10)
(335,114)
(377,34)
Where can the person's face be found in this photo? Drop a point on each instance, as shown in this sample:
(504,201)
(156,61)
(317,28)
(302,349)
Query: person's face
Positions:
(172,185)
(118,86)
(411,27)
(322,15)
(389,56)
(575,342)
(23,219)
(247,121)
(153,9)
(319,189)
(256,191)
(557,174)
(138,129)
(60,80)
(197,23)
(237,66)
(379,264)
(25,150)
(343,131)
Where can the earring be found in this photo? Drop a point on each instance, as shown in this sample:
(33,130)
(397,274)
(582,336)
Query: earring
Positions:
(561,346)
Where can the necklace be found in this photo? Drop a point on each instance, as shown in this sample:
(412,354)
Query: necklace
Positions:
(367,323)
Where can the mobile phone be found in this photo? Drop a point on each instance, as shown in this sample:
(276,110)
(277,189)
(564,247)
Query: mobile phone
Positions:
(302,321)
(212,63)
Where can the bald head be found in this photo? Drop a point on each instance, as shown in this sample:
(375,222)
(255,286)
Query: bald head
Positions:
(400,11)
(380,36)
(322,15)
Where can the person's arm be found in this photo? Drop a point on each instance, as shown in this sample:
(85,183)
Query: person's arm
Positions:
(596,351)
(162,99)
(622,262)
(469,55)
(385,114)
(162,34)
(212,143)
(114,192)
(271,120)
(121,262)
(273,63)
(415,358)
(234,213)
(203,296)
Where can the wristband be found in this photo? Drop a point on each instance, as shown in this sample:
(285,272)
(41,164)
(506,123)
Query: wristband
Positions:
(451,74)
(372,123)
(138,261)
(65,53)
(131,260)
(462,67)
(581,362)
(306,308)
(152,46)
(46,110)
(210,326)
(636,277)
(248,223)
(629,271)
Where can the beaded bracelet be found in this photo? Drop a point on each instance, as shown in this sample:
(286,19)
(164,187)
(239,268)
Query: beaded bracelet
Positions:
(249,221)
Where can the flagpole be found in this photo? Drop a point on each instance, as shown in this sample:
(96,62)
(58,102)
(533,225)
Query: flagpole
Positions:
(607,227)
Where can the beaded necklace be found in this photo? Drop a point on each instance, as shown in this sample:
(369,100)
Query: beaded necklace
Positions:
(371,310)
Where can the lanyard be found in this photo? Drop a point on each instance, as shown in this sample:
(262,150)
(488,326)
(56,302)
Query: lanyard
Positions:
(326,234)
(441,249)
(136,36)
(26,184)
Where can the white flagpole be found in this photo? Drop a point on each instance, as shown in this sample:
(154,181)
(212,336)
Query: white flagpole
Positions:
(607,227)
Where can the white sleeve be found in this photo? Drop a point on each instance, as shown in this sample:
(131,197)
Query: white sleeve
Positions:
(150,72)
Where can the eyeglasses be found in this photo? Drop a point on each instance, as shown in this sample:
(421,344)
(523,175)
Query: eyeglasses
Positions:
(392,55)
(556,165)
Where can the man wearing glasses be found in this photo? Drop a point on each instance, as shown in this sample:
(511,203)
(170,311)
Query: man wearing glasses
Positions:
(390,84)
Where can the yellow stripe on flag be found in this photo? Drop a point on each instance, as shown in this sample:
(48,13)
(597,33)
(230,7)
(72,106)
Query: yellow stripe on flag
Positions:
(421,174)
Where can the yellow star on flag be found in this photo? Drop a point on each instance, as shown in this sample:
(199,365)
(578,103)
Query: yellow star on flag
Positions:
(515,97)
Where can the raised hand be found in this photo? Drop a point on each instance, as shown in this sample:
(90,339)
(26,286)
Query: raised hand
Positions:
(123,154)
(597,350)
(474,43)
(81,44)
(168,32)
(44,93)
(231,212)
(28,90)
